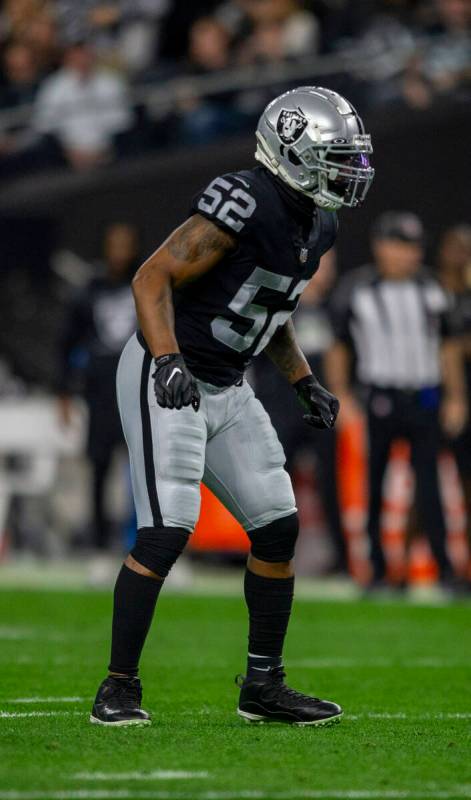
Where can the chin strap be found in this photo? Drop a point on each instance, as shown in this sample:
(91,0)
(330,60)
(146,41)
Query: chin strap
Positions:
(326,203)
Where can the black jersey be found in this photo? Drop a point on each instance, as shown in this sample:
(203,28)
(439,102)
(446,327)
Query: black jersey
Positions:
(230,314)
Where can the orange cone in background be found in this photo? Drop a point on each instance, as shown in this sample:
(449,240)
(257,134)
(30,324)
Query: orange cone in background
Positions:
(217,530)
(398,494)
(455,512)
(351,465)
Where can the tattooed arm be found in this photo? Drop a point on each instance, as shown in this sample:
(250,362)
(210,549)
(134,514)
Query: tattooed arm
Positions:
(285,352)
(192,249)
(321,406)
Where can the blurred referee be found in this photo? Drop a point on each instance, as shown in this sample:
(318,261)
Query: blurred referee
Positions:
(393,317)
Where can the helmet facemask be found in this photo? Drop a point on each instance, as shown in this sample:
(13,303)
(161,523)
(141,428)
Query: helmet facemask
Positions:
(340,172)
(334,174)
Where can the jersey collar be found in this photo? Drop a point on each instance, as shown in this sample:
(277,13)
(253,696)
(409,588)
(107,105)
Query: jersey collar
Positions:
(302,207)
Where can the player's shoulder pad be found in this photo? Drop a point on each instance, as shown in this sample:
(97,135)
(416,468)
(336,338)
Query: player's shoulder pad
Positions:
(230,201)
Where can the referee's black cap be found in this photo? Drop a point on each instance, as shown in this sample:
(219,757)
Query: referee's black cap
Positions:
(402,225)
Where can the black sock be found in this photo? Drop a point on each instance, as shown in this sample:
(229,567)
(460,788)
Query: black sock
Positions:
(135,597)
(269,601)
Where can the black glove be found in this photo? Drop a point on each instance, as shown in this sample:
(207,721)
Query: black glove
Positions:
(174,385)
(322,406)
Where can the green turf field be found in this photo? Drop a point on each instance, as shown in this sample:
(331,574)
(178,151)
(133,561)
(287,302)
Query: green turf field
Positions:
(401,672)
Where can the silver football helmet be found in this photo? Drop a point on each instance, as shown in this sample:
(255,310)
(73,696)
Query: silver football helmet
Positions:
(314,140)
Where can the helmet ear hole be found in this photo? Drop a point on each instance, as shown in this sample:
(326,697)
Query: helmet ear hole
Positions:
(293,158)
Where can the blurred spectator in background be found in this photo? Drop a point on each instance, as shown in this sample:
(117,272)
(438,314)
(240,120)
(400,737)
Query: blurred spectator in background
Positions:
(16,16)
(403,51)
(454,272)
(42,37)
(240,32)
(372,26)
(84,107)
(209,47)
(209,52)
(378,31)
(124,32)
(315,336)
(20,75)
(393,316)
(442,63)
(277,30)
(32,22)
(98,323)
(176,25)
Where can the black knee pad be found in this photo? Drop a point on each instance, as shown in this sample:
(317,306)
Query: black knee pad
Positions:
(158,548)
(276,541)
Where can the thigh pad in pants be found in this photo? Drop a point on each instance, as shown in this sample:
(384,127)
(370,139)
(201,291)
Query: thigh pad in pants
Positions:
(245,464)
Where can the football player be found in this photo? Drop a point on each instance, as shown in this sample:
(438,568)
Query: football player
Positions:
(217,292)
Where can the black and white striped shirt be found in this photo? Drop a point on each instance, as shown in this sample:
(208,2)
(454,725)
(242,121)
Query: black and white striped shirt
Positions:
(394,326)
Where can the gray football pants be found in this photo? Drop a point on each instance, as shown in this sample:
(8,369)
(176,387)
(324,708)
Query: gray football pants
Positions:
(229,444)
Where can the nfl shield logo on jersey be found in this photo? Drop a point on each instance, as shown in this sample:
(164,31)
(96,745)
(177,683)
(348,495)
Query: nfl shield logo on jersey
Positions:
(303,255)
(290,125)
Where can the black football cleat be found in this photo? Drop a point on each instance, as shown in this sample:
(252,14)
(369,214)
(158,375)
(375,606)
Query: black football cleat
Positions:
(272,701)
(118,703)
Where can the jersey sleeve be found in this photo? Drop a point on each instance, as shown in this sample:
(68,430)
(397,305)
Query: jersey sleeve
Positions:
(228,201)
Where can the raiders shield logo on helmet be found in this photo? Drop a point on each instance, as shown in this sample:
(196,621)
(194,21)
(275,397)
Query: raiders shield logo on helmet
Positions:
(290,125)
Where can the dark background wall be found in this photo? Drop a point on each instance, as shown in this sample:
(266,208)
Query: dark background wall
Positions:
(420,162)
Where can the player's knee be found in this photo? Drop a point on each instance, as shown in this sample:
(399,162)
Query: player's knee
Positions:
(157,549)
(276,541)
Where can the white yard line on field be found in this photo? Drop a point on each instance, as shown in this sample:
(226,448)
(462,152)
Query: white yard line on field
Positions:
(156,775)
(348,663)
(48,700)
(404,715)
(453,793)
(15,634)
(399,715)
(28,714)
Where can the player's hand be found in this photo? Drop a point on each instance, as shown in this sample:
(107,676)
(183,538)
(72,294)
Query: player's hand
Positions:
(321,405)
(174,385)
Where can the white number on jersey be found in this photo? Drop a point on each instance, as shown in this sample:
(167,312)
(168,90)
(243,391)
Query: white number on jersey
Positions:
(243,305)
(232,210)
